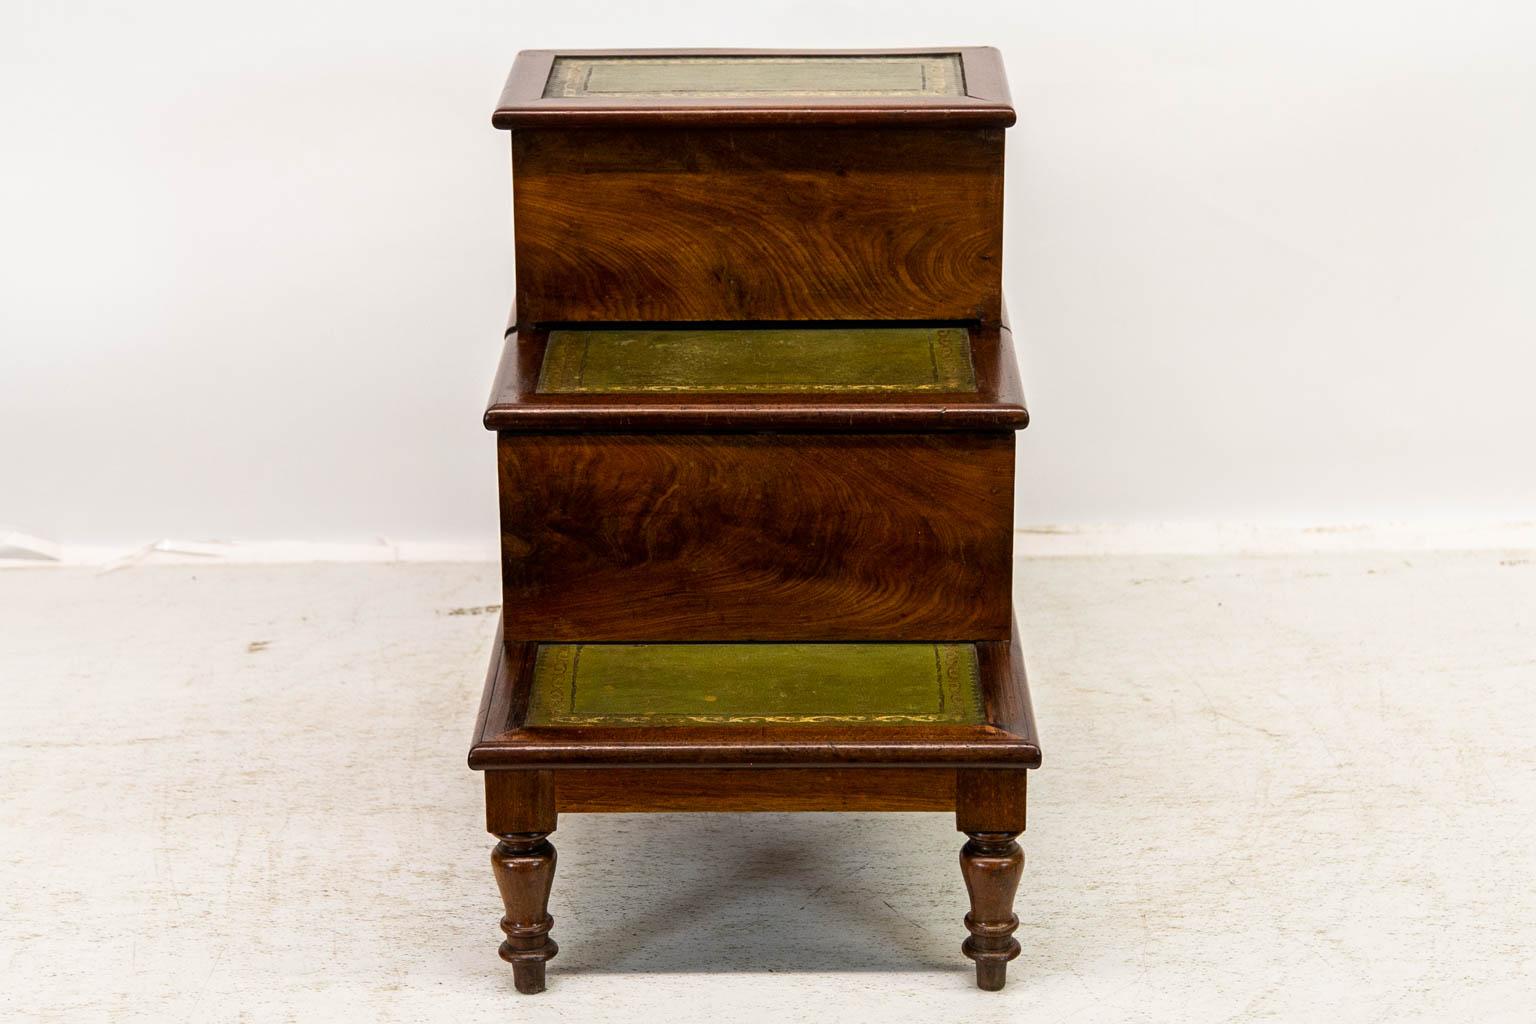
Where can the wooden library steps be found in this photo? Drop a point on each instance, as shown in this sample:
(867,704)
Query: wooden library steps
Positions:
(755,430)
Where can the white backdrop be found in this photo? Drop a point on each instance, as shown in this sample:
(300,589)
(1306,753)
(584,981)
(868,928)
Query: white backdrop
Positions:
(1267,262)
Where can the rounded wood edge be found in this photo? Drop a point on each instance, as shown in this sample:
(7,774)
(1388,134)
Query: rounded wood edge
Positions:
(981,114)
(514,754)
(726,419)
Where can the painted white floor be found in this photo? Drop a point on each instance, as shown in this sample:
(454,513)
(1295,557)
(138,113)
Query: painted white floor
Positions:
(1275,789)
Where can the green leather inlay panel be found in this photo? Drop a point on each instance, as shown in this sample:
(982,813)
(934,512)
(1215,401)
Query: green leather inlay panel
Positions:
(755,684)
(786,360)
(931,74)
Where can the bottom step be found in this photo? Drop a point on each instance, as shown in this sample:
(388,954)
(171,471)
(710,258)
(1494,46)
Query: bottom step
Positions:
(754,684)
(746,704)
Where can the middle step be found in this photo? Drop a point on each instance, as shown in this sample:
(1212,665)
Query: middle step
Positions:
(680,485)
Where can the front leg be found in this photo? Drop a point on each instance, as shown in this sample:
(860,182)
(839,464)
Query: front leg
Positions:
(524,863)
(520,811)
(991,863)
(989,809)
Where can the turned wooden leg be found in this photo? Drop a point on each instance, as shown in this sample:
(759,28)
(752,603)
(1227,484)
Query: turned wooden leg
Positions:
(525,869)
(991,863)
(989,809)
(520,811)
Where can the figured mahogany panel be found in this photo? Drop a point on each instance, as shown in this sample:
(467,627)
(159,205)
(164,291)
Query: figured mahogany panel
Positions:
(756,536)
(700,224)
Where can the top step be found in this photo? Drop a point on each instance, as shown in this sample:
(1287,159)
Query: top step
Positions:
(569,88)
(699,185)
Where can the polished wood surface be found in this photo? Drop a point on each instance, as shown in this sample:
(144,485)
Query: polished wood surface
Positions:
(984,103)
(522,801)
(990,800)
(709,224)
(995,404)
(1006,739)
(757,537)
(628,790)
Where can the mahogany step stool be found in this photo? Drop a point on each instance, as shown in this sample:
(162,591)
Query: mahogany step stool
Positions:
(755,434)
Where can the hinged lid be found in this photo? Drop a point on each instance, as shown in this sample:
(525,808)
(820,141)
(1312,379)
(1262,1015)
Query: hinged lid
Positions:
(581,88)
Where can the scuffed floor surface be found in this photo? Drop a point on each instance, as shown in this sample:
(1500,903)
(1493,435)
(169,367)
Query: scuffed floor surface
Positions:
(1284,789)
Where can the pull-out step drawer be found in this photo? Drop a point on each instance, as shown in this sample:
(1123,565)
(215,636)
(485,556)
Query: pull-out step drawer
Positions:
(674,485)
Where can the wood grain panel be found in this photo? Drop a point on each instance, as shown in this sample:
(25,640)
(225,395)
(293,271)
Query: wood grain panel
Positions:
(757,537)
(671,224)
(754,789)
